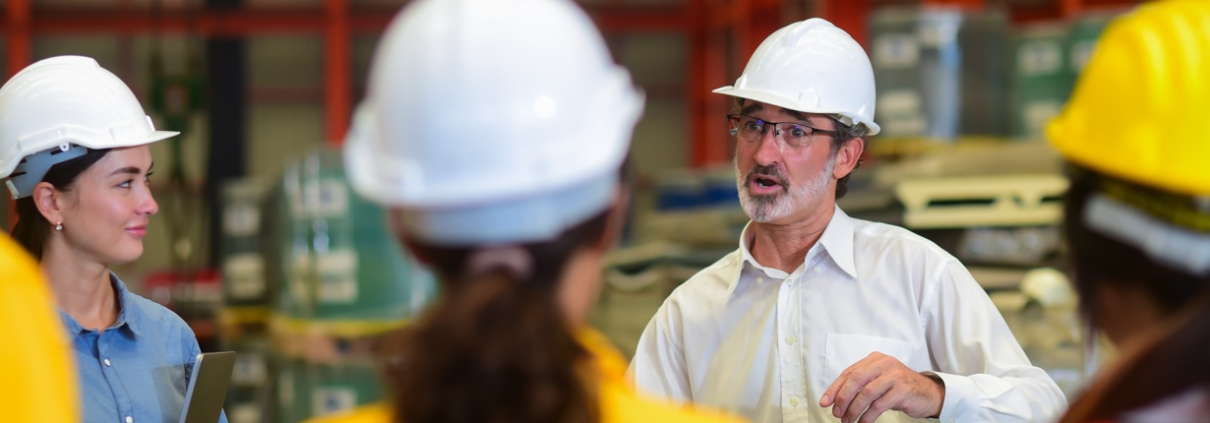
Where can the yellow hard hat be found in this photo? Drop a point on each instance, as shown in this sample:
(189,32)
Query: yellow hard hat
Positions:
(37,374)
(1140,110)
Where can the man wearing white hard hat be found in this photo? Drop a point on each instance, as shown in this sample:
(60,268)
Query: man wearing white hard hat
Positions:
(819,316)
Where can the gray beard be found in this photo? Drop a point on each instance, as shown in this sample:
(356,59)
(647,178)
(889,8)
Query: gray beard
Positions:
(767,208)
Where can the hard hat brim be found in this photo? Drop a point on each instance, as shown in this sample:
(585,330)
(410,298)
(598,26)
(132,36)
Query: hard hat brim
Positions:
(7,166)
(786,103)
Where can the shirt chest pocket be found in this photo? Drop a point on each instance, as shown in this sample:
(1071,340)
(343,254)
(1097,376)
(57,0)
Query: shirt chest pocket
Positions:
(844,350)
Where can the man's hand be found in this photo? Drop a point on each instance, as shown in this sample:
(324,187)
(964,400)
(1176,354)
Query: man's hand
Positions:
(879,383)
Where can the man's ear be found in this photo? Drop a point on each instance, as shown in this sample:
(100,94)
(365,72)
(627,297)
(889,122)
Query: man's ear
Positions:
(49,202)
(848,157)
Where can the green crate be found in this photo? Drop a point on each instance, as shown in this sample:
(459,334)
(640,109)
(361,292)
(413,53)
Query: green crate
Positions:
(340,387)
(338,259)
(942,73)
(1041,78)
(1085,32)
(243,261)
(307,390)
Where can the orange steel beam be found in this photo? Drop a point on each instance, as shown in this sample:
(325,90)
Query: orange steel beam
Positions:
(849,15)
(623,19)
(707,64)
(762,19)
(338,85)
(1065,9)
(17,33)
(17,27)
(974,4)
(206,24)
(1069,8)
(695,35)
(253,22)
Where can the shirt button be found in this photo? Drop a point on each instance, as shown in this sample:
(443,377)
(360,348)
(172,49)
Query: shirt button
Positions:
(107,364)
(818,270)
(793,401)
(129,419)
(791,340)
(759,280)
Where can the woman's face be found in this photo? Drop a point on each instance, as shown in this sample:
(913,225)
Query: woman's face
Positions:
(105,214)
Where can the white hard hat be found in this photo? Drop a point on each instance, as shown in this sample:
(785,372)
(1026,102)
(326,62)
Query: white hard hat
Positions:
(53,107)
(492,120)
(813,67)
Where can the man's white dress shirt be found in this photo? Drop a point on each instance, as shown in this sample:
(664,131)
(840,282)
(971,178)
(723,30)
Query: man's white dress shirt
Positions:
(766,345)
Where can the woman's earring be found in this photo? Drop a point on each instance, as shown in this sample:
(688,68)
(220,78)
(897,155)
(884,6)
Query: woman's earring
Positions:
(59,226)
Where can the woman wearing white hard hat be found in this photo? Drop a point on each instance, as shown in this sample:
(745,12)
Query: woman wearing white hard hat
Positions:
(74,156)
(495,130)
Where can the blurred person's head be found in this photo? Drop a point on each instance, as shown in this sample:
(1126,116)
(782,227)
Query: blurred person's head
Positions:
(500,157)
(1137,215)
(73,150)
(804,109)
(40,382)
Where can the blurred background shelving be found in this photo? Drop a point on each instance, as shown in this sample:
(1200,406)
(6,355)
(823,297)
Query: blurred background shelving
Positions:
(263,248)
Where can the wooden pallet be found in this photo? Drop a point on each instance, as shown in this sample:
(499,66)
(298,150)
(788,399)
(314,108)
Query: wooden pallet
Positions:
(1003,200)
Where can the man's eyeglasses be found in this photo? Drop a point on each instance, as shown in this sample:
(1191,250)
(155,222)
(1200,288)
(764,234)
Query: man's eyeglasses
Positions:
(794,134)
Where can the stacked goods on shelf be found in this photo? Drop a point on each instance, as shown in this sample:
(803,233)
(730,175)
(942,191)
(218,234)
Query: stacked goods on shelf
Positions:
(244,318)
(243,260)
(345,284)
(1042,78)
(1083,36)
(941,72)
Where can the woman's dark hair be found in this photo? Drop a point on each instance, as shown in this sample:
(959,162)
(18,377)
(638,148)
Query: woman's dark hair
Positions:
(1170,367)
(32,230)
(495,347)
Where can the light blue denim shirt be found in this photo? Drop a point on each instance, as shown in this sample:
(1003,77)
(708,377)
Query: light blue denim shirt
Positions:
(137,370)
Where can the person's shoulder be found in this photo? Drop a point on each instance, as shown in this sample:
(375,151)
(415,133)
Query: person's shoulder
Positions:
(374,413)
(710,282)
(621,404)
(896,239)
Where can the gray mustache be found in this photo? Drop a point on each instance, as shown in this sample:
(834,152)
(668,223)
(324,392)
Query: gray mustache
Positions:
(771,172)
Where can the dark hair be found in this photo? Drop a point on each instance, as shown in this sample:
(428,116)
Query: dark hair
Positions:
(32,229)
(1170,367)
(847,133)
(495,348)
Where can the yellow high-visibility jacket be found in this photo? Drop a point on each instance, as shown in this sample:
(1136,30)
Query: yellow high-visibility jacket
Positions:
(37,374)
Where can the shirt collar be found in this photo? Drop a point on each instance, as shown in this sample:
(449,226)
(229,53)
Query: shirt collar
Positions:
(125,319)
(837,241)
(126,316)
